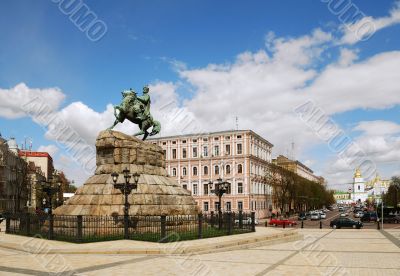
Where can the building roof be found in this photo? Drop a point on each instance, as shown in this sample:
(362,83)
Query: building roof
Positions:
(26,153)
(212,133)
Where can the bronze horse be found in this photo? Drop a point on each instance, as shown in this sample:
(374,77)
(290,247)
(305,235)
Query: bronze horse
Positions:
(133,109)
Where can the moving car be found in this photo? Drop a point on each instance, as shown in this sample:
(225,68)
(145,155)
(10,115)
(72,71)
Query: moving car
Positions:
(359,214)
(391,219)
(323,216)
(343,214)
(369,217)
(278,222)
(345,222)
(315,216)
(302,216)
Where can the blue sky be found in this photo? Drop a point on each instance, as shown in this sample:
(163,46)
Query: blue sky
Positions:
(173,46)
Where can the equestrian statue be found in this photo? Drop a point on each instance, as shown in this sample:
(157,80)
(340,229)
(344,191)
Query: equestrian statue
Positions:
(137,110)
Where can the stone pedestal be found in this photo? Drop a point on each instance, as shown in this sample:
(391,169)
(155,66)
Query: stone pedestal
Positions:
(157,194)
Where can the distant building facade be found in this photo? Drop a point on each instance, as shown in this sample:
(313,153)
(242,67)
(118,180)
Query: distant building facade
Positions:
(298,168)
(41,159)
(342,197)
(13,177)
(240,157)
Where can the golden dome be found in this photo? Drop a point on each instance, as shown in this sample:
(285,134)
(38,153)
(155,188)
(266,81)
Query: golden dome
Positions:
(357,173)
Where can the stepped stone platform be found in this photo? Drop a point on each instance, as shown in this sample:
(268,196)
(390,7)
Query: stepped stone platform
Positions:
(157,194)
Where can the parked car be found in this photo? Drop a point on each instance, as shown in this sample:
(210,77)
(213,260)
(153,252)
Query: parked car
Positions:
(345,222)
(391,219)
(302,216)
(323,216)
(278,222)
(359,214)
(343,214)
(315,216)
(340,209)
(369,217)
(1,218)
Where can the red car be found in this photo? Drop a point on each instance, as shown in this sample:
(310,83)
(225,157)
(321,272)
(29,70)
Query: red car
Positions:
(280,222)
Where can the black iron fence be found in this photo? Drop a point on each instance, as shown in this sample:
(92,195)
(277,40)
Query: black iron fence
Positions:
(145,228)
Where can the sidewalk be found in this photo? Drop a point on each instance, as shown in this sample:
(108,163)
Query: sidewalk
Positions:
(262,236)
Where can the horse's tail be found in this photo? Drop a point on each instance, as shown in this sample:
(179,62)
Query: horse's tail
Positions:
(156,128)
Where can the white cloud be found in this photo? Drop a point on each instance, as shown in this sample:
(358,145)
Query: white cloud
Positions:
(364,28)
(347,56)
(12,100)
(377,128)
(51,149)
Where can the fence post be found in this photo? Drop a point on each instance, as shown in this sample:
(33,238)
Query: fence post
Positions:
(51,226)
(302,224)
(28,224)
(229,221)
(212,219)
(240,219)
(284,225)
(80,228)
(378,225)
(163,228)
(320,224)
(200,224)
(253,221)
(126,226)
(8,223)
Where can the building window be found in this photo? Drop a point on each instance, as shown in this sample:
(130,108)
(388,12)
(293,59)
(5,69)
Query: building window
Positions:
(240,205)
(183,153)
(240,168)
(183,141)
(239,136)
(164,143)
(240,188)
(228,169)
(216,150)
(184,171)
(227,149)
(216,206)
(239,149)
(195,189)
(205,151)
(205,170)
(228,191)
(358,187)
(173,153)
(205,139)
(184,186)
(194,152)
(228,206)
(227,137)
(205,208)
(194,140)
(194,170)
(173,142)
(216,169)
(205,187)
(174,172)
(216,138)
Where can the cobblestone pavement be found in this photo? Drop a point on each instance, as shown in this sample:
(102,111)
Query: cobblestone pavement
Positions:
(320,252)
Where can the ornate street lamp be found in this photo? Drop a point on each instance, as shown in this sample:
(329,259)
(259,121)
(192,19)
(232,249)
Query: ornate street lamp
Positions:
(126,188)
(221,187)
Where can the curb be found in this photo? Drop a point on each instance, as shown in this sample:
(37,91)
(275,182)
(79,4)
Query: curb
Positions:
(172,248)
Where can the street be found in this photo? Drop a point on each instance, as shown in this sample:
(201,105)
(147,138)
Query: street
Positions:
(332,215)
